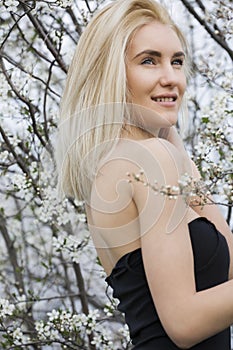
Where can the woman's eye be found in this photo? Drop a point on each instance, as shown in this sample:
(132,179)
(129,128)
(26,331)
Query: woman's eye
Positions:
(178,62)
(148,61)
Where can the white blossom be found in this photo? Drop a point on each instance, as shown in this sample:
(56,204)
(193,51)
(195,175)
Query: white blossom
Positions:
(110,307)
(46,331)
(18,337)
(11,5)
(6,309)
(53,315)
(4,156)
(103,340)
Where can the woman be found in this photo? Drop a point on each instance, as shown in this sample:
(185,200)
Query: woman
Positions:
(166,261)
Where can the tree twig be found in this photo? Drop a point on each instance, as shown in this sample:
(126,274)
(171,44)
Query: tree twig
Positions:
(218,38)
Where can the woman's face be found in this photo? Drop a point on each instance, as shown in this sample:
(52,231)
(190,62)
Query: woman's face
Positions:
(155,72)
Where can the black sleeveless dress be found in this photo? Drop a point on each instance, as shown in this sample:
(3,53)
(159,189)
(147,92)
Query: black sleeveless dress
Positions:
(128,280)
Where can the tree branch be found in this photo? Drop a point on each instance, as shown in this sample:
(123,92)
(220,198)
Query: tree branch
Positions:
(45,37)
(74,20)
(12,255)
(9,59)
(219,39)
(19,160)
(32,109)
(83,296)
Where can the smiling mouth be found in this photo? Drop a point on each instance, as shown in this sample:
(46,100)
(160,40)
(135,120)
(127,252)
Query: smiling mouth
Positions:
(164,99)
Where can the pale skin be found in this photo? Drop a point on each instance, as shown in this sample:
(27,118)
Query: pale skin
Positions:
(123,217)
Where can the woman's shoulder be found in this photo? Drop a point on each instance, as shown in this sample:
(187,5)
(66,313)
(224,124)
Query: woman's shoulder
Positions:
(155,154)
(160,146)
(133,156)
(130,148)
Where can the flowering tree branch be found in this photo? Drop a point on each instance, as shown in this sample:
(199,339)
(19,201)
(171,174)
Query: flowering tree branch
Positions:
(214,32)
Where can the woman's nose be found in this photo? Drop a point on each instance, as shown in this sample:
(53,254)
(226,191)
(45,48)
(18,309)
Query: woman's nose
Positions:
(168,76)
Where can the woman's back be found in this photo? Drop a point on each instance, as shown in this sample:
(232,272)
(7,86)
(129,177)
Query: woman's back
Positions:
(113,216)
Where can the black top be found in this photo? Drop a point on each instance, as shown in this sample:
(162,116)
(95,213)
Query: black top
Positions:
(128,280)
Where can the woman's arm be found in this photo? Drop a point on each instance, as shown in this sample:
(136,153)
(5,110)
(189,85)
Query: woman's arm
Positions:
(209,210)
(187,316)
(212,212)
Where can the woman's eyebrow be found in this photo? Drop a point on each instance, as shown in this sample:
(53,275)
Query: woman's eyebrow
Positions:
(179,54)
(158,54)
(149,52)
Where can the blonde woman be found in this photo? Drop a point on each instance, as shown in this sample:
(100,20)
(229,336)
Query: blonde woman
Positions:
(165,259)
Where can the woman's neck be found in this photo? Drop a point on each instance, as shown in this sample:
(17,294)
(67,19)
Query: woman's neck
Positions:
(136,133)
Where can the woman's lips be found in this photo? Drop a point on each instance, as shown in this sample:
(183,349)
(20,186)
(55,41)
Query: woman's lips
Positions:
(165,100)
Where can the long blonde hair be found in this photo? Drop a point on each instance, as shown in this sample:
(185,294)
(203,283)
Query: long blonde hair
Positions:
(92,107)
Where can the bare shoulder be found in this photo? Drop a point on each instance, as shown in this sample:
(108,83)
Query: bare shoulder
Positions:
(112,192)
(160,162)
(162,150)
(156,158)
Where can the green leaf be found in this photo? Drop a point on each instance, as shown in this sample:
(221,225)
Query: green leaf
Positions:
(205,120)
